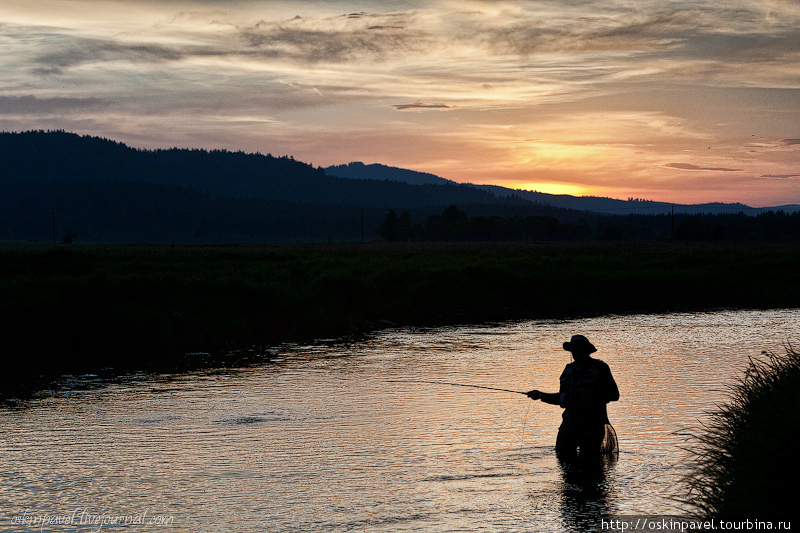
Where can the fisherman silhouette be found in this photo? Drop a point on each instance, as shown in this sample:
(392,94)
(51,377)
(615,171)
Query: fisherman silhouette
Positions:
(586,387)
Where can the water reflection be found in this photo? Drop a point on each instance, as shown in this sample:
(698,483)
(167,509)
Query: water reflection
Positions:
(323,440)
(586,493)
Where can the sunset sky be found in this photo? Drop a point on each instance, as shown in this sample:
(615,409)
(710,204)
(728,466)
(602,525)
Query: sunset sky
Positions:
(677,101)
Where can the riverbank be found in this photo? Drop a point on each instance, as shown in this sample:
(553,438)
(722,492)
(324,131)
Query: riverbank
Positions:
(745,459)
(90,308)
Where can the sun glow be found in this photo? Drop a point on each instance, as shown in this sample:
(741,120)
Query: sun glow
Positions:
(553,188)
(580,99)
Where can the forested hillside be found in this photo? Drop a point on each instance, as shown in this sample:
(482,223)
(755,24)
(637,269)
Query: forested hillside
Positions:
(60,157)
(63,187)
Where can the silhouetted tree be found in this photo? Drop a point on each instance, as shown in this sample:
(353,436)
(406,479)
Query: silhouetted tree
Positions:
(388,229)
(452,215)
(539,228)
(404,228)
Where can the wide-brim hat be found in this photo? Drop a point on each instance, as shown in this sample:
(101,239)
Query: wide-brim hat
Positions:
(579,343)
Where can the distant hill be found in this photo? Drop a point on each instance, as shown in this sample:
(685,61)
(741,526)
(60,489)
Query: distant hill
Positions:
(623,207)
(60,157)
(357,170)
(360,171)
(613,206)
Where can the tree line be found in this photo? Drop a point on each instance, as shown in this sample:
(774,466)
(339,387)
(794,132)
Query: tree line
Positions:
(455,225)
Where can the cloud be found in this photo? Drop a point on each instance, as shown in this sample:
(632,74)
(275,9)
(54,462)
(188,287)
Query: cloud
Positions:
(31,105)
(688,166)
(421,105)
(780,176)
(638,33)
(72,52)
(653,43)
(791,142)
(337,39)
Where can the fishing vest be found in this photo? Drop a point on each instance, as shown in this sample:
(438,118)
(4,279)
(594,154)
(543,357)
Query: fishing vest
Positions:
(585,389)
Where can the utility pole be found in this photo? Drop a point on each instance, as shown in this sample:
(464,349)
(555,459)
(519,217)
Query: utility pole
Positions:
(54,225)
(673,223)
(362,226)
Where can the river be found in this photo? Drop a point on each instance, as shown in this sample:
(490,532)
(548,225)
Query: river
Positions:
(334,437)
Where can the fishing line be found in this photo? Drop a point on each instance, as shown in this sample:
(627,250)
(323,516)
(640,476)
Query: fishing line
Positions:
(470,386)
(524,427)
(523,432)
(454,385)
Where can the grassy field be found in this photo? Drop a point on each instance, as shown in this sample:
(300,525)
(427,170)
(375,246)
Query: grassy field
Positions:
(87,307)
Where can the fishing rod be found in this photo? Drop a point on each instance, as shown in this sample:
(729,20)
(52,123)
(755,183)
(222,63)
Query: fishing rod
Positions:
(454,385)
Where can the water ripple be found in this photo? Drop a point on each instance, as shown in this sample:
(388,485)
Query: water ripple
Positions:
(322,441)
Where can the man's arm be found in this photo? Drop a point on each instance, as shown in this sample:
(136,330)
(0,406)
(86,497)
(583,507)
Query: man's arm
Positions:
(551,398)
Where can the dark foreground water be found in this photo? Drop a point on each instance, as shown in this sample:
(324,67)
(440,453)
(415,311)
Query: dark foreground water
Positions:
(322,440)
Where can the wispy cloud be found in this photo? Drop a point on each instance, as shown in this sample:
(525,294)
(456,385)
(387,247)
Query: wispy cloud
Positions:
(338,39)
(689,166)
(420,105)
(31,105)
(79,51)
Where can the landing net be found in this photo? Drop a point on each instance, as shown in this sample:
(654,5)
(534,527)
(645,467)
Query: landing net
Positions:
(610,444)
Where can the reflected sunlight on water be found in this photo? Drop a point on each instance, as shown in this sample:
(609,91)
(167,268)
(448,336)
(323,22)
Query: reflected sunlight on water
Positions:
(325,440)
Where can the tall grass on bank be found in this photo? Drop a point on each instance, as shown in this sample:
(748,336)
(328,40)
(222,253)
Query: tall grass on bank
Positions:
(747,464)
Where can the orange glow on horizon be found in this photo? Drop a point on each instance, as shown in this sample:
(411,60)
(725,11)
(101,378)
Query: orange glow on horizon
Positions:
(554,188)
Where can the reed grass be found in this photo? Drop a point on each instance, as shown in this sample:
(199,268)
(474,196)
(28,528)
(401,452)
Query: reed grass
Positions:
(747,463)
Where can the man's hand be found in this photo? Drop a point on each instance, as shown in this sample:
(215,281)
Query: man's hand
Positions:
(534,395)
